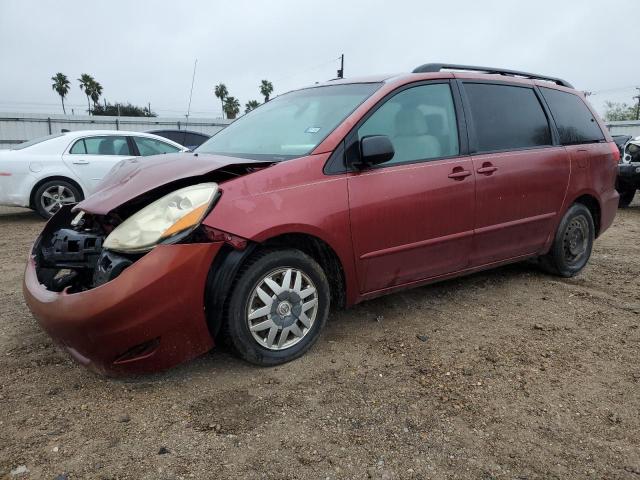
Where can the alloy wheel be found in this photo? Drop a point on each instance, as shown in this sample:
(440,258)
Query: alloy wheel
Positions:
(54,197)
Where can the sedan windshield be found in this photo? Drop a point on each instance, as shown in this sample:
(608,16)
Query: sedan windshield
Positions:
(291,125)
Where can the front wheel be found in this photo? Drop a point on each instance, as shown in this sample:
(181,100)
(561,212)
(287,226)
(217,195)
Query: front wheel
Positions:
(572,244)
(278,306)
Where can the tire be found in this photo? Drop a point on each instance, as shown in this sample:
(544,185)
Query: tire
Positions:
(51,195)
(265,346)
(626,197)
(572,244)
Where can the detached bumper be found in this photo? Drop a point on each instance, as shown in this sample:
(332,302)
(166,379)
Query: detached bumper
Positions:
(149,318)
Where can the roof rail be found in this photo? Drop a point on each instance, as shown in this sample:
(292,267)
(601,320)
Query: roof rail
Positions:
(436,67)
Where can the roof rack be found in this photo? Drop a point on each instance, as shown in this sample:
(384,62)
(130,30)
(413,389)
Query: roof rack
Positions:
(436,67)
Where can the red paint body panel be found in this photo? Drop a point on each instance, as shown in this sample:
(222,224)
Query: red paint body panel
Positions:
(391,228)
(517,203)
(411,221)
(141,305)
(290,197)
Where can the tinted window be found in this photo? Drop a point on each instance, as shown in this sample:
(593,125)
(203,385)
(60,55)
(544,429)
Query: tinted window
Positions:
(150,146)
(507,117)
(574,120)
(111,145)
(193,139)
(420,121)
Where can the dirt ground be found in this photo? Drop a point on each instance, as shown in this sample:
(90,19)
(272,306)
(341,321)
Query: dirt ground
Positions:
(506,374)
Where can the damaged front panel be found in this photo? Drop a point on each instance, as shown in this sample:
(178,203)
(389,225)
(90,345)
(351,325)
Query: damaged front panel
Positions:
(69,253)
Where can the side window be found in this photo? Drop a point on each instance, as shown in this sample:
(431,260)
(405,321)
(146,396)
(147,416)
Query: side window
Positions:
(107,145)
(79,147)
(150,146)
(507,117)
(420,121)
(574,120)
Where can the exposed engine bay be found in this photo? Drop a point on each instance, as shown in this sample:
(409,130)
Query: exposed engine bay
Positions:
(70,255)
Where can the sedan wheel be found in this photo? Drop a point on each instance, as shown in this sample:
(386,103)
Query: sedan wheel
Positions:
(53,195)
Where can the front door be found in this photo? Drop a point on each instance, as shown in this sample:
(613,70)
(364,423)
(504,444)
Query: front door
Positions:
(521,178)
(91,158)
(412,217)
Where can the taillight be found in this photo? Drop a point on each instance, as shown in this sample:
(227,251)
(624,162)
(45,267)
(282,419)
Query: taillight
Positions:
(615,152)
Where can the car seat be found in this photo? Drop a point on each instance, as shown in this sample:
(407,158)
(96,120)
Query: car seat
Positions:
(412,140)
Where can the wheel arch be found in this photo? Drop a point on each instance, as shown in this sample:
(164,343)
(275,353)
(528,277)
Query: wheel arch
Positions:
(592,203)
(49,178)
(229,261)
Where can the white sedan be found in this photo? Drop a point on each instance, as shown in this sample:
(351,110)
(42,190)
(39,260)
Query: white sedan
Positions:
(48,172)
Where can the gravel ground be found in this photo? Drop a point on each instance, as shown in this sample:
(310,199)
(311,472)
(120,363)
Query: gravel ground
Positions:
(506,374)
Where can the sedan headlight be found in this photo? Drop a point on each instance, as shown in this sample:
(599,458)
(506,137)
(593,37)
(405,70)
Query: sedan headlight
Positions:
(178,212)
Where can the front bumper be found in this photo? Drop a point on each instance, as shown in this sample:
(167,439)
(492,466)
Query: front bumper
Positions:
(149,318)
(629,174)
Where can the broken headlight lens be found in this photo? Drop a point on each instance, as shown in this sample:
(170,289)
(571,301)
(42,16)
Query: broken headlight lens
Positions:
(178,212)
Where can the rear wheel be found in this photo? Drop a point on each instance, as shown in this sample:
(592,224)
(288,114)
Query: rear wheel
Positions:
(573,242)
(52,195)
(626,197)
(278,306)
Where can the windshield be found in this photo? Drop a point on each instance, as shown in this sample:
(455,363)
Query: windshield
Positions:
(35,141)
(291,125)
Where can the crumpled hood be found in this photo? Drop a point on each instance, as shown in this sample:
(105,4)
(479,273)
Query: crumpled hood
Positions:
(132,178)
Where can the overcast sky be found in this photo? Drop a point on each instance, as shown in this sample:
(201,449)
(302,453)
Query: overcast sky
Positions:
(144,51)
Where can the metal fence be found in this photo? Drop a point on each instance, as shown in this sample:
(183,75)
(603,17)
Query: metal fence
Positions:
(18,127)
(629,127)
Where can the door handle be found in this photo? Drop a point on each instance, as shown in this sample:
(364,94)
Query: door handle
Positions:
(487,168)
(459,174)
(80,162)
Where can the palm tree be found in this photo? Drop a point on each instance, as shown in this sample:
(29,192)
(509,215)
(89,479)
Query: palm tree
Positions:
(61,86)
(95,92)
(251,105)
(221,92)
(85,85)
(266,88)
(231,107)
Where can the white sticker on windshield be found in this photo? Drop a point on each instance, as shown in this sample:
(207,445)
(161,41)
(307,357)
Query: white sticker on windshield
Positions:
(312,130)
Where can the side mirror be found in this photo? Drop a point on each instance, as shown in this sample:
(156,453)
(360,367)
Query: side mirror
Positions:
(375,149)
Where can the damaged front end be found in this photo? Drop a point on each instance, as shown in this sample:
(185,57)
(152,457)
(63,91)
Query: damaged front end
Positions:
(120,279)
(79,250)
(69,254)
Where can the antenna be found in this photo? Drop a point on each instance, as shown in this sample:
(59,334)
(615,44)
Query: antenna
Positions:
(193,78)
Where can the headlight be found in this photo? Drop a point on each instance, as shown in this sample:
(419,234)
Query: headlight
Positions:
(178,212)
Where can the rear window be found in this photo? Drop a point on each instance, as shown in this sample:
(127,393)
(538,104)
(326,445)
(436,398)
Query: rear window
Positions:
(507,117)
(574,120)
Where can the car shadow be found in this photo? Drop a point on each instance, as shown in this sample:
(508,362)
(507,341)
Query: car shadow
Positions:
(19,215)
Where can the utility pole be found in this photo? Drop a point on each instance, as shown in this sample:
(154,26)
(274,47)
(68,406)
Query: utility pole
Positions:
(638,105)
(341,71)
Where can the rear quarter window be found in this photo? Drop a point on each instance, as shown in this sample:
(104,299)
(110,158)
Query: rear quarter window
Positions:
(573,118)
(507,117)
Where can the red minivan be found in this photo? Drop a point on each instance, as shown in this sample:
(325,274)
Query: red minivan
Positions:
(323,197)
